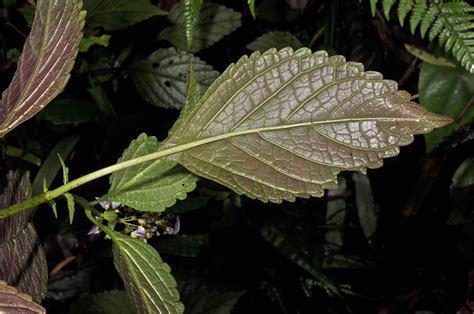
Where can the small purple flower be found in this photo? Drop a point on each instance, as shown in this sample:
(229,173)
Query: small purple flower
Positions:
(140,233)
(94,230)
(108,204)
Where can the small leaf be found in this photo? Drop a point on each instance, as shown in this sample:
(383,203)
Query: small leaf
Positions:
(65,170)
(107,302)
(464,175)
(150,186)
(68,111)
(191,13)
(117,14)
(161,78)
(214,22)
(70,206)
(278,40)
(365,204)
(48,57)
(149,283)
(283,124)
(447,91)
(183,245)
(50,168)
(88,42)
(12,301)
(428,57)
(28,12)
(251,4)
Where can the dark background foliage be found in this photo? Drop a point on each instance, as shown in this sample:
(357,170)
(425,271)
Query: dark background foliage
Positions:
(415,261)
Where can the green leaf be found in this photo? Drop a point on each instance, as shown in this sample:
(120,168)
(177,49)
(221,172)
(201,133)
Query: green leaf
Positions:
(28,12)
(365,203)
(51,167)
(12,301)
(88,42)
(428,57)
(283,124)
(446,91)
(277,39)
(161,78)
(65,170)
(107,302)
(251,4)
(117,14)
(464,175)
(150,186)
(68,111)
(191,13)
(149,283)
(183,245)
(48,57)
(214,22)
(70,206)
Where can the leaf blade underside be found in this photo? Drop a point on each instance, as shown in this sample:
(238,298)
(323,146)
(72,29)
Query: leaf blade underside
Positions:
(48,57)
(283,124)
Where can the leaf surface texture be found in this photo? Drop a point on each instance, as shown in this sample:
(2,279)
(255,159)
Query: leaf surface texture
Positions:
(213,23)
(44,66)
(283,124)
(148,280)
(161,78)
(150,186)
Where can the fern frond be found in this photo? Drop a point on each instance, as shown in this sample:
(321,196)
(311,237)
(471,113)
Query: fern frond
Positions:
(452,23)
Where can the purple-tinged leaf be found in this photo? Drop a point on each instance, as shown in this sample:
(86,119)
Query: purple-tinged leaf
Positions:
(48,57)
(12,301)
(283,124)
(22,260)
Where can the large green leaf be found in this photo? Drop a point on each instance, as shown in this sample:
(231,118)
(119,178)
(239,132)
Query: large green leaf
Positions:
(283,124)
(276,40)
(447,91)
(44,66)
(208,300)
(150,186)
(161,78)
(117,14)
(149,283)
(214,22)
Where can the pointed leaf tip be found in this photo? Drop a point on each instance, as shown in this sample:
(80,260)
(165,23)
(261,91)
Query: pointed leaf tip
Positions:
(282,124)
(48,57)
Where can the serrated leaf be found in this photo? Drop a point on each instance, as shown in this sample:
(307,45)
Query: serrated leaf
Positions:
(107,302)
(446,91)
(48,57)
(12,301)
(22,259)
(277,40)
(70,206)
(283,124)
(117,14)
(161,78)
(150,186)
(191,13)
(214,22)
(149,283)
